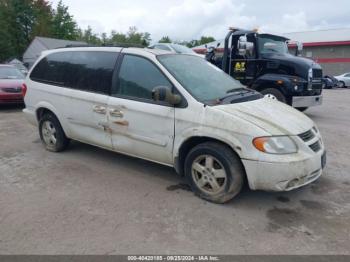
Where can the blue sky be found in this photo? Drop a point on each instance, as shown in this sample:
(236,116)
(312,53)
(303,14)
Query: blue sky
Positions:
(189,19)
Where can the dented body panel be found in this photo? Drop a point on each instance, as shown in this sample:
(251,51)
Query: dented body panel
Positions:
(157,132)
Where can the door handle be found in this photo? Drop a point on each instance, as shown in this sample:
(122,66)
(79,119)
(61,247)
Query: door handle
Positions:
(99,109)
(116,113)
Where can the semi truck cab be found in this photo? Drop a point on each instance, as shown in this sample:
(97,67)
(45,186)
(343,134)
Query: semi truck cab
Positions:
(263,62)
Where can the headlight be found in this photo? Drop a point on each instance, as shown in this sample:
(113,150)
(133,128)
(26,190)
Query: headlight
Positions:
(275,145)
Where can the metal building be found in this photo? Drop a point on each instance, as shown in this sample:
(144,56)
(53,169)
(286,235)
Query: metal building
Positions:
(330,48)
(40,44)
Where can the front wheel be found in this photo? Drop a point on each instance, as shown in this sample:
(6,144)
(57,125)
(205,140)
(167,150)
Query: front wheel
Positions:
(214,172)
(341,84)
(274,94)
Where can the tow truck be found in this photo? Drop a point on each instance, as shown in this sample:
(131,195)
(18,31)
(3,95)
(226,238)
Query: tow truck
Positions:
(263,63)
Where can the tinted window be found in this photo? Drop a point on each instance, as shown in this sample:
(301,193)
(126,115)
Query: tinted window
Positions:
(52,68)
(91,71)
(138,77)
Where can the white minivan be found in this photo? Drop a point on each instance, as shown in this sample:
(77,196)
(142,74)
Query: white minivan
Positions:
(176,110)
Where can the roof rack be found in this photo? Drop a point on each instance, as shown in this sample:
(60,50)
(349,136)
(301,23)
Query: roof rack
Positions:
(124,45)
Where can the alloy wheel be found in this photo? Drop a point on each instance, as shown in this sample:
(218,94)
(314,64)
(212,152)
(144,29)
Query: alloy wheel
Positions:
(209,174)
(49,133)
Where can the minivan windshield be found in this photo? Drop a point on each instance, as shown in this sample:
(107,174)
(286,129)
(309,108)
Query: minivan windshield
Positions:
(201,79)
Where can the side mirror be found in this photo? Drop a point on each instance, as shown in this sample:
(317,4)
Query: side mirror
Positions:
(299,48)
(164,94)
(218,45)
(245,47)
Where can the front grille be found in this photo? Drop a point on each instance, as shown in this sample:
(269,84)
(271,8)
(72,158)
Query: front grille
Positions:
(12,89)
(316,73)
(315,146)
(307,136)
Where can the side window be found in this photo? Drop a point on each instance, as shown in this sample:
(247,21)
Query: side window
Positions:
(138,77)
(91,71)
(52,69)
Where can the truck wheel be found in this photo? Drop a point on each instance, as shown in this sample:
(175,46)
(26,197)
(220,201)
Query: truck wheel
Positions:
(274,93)
(302,109)
(52,134)
(214,172)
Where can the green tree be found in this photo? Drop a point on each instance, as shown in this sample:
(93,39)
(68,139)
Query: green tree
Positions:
(89,37)
(117,38)
(43,18)
(202,41)
(206,39)
(16,23)
(63,24)
(165,39)
(135,37)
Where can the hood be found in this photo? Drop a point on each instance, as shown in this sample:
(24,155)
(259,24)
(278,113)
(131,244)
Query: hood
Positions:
(11,83)
(270,115)
(292,65)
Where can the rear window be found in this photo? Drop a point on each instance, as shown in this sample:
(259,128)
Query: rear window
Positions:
(83,70)
(7,72)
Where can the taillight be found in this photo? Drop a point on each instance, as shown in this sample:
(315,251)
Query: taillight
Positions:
(24,90)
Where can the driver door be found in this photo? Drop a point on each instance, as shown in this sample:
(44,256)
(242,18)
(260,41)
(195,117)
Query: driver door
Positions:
(243,59)
(140,126)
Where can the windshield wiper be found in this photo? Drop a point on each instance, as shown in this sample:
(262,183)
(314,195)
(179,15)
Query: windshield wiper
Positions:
(236,90)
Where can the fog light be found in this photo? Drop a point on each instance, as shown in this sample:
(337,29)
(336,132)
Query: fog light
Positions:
(296,88)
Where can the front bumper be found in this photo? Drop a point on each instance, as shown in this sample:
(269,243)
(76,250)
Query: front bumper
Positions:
(306,101)
(284,176)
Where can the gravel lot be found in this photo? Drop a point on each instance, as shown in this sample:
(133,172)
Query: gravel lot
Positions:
(91,201)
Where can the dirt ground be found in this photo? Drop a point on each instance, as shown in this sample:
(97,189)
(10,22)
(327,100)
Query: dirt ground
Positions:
(91,201)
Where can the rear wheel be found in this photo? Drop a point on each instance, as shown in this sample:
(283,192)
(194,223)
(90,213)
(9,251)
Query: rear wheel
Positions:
(274,93)
(214,172)
(52,134)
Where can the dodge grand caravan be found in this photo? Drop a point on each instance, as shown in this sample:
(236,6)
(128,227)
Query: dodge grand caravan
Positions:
(173,109)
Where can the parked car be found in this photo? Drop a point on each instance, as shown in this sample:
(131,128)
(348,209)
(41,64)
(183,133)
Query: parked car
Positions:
(19,65)
(179,49)
(12,86)
(330,82)
(176,110)
(344,80)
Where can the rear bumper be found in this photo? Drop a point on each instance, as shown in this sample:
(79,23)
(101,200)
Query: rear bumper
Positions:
(284,176)
(306,101)
(30,116)
(11,99)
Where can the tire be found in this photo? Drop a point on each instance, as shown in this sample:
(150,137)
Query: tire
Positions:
(341,84)
(52,134)
(274,94)
(214,172)
(302,109)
